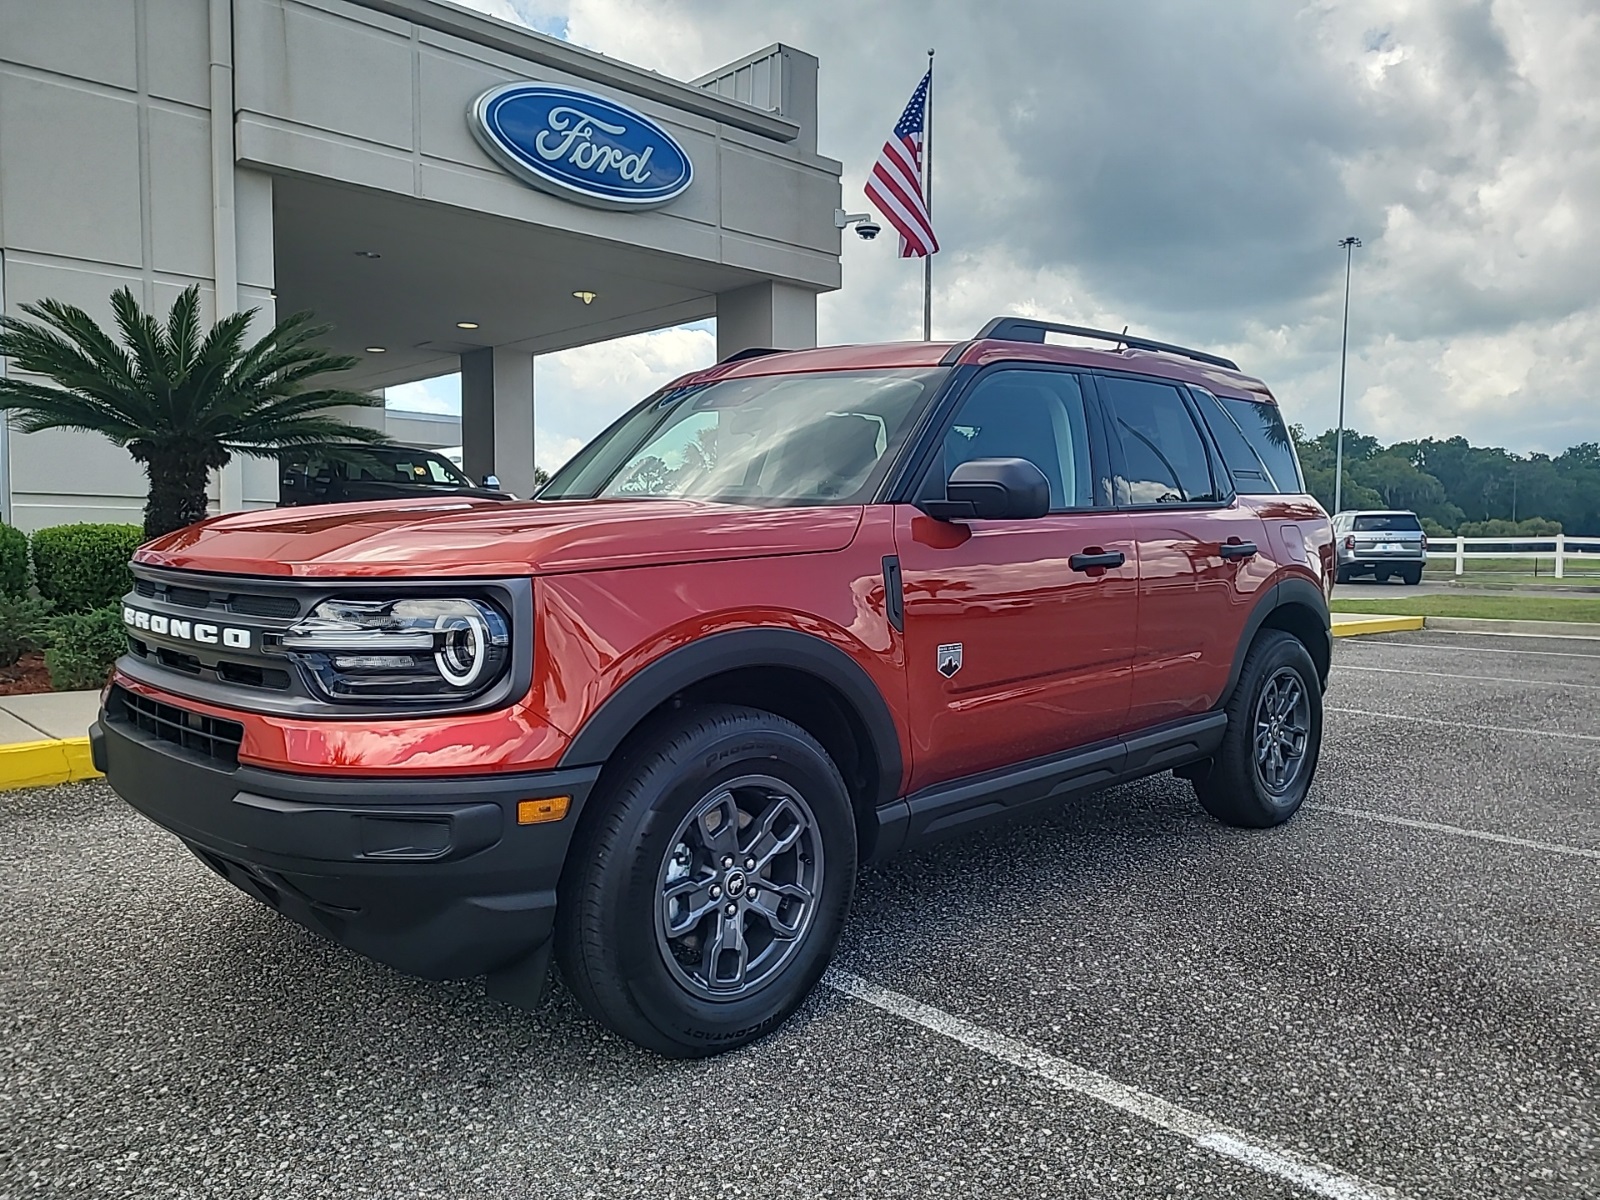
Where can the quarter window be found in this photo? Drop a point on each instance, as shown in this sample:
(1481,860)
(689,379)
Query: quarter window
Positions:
(1164,460)
(1255,444)
(1036,415)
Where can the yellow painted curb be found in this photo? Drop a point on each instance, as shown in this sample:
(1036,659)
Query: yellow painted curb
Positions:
(1356,624)
(34,764)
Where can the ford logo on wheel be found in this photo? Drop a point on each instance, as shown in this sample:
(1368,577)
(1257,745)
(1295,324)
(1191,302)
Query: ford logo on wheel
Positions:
(580,146)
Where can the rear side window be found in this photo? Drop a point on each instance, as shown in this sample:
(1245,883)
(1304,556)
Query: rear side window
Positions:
(1255,444)
(1387,523)
(1164,460)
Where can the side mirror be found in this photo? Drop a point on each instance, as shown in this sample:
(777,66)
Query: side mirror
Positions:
(992,489)
(491,481)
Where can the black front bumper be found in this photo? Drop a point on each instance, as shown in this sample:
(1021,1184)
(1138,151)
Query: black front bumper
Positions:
(433,877)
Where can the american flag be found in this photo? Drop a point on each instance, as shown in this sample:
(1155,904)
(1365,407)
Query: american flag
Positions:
(895,185)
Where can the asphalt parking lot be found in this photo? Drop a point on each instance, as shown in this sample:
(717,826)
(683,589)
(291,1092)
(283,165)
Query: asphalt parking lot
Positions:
(1397,994)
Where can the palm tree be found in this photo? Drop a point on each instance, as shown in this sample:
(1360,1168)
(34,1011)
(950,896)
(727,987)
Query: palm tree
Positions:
(183,405)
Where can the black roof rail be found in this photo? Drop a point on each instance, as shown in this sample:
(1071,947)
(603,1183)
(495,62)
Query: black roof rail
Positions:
(751,352)
(1024,329)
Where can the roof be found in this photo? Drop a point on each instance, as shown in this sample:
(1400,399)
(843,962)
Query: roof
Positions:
(985,351)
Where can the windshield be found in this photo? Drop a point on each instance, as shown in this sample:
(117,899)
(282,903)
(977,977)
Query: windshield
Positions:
(404,466)
(377,464)
(815,438)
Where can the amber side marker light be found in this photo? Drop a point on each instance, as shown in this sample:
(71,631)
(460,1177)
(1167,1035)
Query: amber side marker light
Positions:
(537,812)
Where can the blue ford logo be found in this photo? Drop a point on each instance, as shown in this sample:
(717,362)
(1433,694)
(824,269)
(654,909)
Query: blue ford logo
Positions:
(580,146)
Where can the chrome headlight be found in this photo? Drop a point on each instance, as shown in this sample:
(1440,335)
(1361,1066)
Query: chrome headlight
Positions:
(413,649)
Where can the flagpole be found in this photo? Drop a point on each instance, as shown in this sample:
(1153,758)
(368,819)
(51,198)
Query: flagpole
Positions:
(927,199)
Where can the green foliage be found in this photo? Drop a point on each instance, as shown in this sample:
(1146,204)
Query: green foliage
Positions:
(83,647)
(80,567)
(181,403)
(24,626)
(13,562)
(1532,527)
(1458,486)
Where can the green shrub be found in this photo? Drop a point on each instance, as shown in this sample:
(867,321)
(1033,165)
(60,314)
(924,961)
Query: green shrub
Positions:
(1436,530)
(1499,527)
(24,626)
(79,567)
(83,647)
(13,561)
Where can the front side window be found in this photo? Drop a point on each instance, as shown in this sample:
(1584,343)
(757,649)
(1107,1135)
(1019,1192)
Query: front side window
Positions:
(811,438)
(1036,415)
(1164,460)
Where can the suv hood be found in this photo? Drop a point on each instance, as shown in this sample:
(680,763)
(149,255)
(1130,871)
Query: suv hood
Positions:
(464,537)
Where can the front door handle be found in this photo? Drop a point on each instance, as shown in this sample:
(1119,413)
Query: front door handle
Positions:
(1092,559)
(1232,550)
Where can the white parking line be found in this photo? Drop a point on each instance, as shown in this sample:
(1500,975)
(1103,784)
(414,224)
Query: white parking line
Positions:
(1257,1153)
(1368,644)
(1593,687)
(1456,830)
(1550,733)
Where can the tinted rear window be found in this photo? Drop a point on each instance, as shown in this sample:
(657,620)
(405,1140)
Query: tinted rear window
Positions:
(1255,445)
(1387,522)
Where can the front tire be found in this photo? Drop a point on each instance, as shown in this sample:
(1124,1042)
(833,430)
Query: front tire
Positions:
(704,901)
(1263,769)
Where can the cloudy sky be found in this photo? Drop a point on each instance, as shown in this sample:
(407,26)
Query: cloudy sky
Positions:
(1187,170)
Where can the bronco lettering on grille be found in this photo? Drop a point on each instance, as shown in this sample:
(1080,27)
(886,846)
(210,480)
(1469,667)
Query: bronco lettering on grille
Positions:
(186,631)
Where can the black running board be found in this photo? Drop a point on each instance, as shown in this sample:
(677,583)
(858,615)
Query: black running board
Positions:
(947,809)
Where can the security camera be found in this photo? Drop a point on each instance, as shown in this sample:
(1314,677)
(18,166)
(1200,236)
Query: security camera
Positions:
(866,228)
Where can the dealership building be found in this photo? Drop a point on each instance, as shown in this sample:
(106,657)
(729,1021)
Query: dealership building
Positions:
(450,192)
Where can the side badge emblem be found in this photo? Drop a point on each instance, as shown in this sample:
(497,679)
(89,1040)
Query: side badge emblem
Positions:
(949,659)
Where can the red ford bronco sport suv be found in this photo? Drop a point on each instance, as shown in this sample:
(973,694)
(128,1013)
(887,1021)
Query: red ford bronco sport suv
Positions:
(789,615)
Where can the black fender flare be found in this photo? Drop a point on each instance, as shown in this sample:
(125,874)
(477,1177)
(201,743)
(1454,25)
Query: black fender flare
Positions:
(1288,593)
(740,649)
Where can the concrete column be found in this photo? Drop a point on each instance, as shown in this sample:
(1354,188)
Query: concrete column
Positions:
(497,417)
(778,316)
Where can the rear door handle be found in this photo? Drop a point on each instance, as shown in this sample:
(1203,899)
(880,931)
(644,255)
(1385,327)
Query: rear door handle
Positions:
(1089,560)
(1239,550)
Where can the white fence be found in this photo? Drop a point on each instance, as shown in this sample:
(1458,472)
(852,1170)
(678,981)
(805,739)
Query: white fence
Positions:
(1560,549)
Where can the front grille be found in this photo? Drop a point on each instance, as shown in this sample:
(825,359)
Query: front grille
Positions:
(251,675)
(265,606)
(209,737)
(245,604)
(189,597)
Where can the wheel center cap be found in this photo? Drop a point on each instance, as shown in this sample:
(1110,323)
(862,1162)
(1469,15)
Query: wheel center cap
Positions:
(734,884)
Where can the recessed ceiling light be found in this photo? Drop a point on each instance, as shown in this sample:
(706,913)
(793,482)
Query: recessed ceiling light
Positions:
(376,350)
(466,324)
(586,297)
(368,254)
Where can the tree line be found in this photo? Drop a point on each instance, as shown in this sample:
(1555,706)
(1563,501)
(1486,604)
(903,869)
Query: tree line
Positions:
(1458,488)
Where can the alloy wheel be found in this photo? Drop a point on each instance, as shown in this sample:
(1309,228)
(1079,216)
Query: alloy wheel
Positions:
(1282,730)
(738,889)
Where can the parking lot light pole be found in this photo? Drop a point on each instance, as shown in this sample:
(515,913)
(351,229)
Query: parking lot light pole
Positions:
(1350,245)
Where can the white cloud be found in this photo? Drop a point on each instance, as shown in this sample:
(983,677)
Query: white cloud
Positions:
(441,395)
(1189,176)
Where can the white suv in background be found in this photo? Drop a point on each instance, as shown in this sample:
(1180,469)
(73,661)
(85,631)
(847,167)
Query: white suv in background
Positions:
(1380,544)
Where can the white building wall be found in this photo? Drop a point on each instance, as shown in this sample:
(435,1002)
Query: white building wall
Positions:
(109,159)
(106,182)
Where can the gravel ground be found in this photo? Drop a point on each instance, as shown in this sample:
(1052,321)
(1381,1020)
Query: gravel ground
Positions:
(1417,1008)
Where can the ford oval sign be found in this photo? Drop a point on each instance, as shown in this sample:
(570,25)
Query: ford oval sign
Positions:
(580,146)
